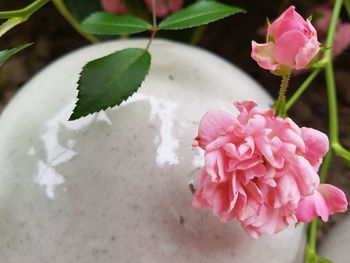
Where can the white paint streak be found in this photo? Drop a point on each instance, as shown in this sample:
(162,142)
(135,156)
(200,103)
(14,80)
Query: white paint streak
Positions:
(48,177)
(198,159)
(56,153)
(164,110)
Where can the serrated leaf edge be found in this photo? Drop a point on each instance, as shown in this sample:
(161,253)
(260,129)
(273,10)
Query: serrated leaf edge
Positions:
(142,28)
(234,10)
(72,116)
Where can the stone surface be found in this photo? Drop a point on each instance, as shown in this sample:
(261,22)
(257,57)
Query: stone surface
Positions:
(114,186)
(336,243)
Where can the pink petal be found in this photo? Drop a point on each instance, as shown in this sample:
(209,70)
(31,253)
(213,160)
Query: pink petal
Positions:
(268,148)
(325,201)
(114,6)
(215,165)
(316,145)
(199,201)
(164,7)
(307,53)
(334,197)
(288,46)
(263,55)
(281,26)
(221,200)
(305,176)
(311,206)
(213,124)
(342,39)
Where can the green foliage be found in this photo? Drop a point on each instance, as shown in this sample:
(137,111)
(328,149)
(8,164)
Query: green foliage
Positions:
(102,23)
(108,81)
(347,6)
(7,53)
(80,9)
(200,13)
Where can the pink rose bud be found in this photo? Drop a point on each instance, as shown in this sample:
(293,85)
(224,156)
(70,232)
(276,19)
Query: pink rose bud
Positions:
(261,170)
(165,7)
(292,44)
(114,6)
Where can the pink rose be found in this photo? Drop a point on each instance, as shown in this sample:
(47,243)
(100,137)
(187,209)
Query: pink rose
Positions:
(261,170)
(114,6)
(165,7)
(292,44)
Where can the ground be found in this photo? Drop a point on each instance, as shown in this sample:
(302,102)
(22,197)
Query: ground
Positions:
(229,38)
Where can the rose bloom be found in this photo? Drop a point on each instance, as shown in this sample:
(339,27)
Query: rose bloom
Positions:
(291,44)
(163,7)
(261,170)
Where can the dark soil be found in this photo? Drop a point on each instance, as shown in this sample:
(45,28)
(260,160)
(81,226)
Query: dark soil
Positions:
(230,38)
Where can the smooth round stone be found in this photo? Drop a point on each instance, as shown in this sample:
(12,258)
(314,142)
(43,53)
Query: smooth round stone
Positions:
(336,243)
(114,186)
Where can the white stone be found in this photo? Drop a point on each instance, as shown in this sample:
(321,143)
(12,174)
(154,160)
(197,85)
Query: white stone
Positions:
(114,186)
(336,243)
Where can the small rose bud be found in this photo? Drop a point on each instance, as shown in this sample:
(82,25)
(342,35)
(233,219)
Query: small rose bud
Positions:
(165,7)
(114,6)
(291,44)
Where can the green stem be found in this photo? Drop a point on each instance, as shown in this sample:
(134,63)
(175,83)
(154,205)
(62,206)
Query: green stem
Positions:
(60,6)
(25,12)
(197,35)
(302,88)
(332,103)
(154,26)
(325,166)
(9,24)
(330,81)
(333,120)
(281,101)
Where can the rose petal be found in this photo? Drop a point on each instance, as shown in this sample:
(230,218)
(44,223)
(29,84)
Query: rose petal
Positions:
(263,54)
(325,201)
(213,124)
(288,46)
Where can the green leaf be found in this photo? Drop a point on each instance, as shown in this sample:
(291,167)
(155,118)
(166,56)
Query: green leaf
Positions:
(80,9)
(106,24)
(108,81)
(7,53)
(198,14)
(347,7)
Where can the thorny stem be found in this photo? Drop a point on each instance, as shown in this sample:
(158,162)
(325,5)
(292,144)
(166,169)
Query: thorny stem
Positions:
(281,101)
(333,123)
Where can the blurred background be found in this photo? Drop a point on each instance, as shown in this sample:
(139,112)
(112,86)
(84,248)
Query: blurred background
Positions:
(229,38)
